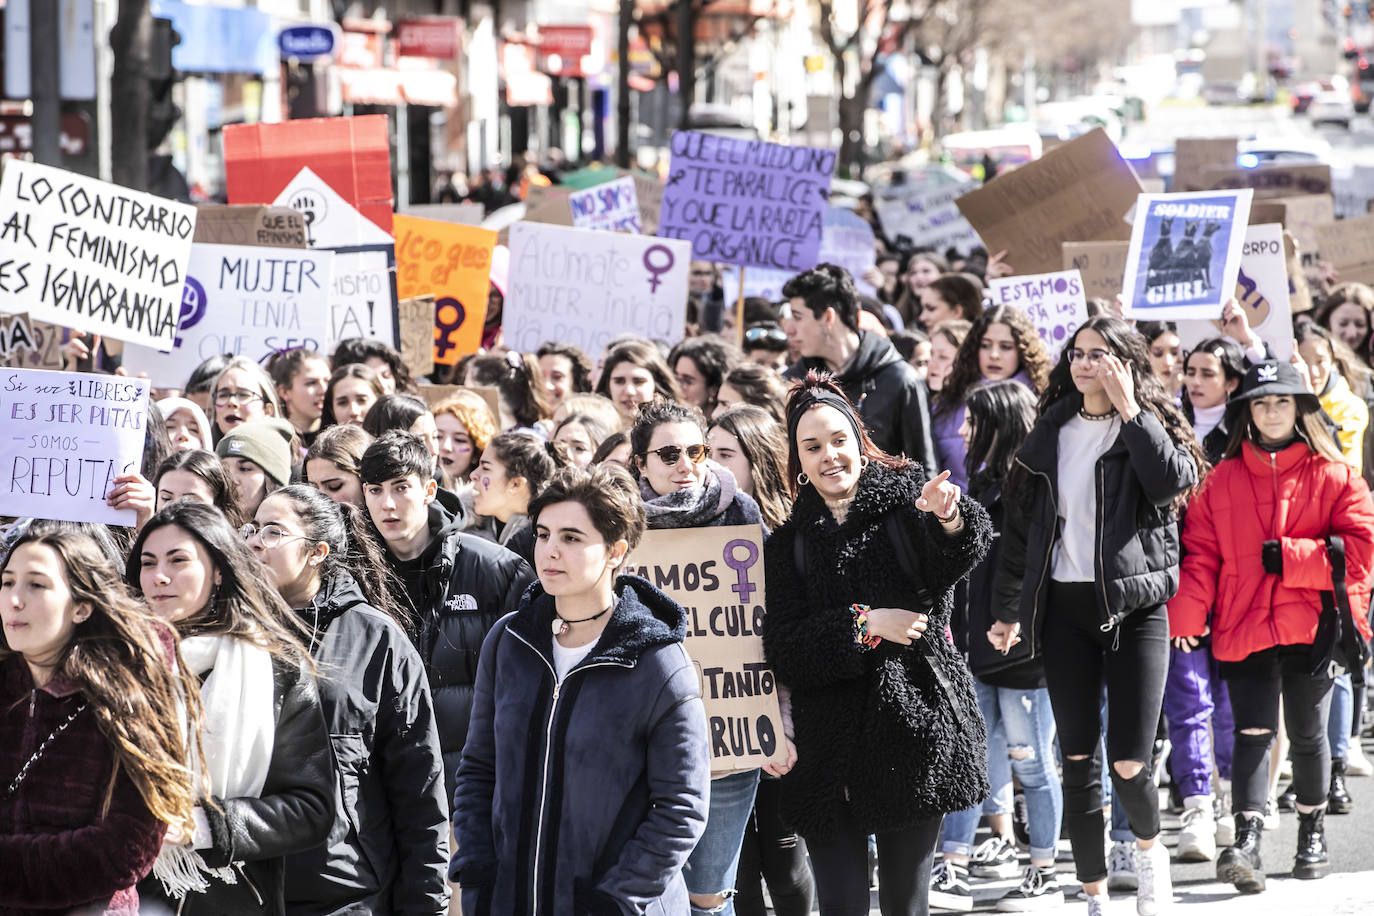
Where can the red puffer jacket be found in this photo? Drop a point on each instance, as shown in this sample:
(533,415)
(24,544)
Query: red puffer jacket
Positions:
(1297,497)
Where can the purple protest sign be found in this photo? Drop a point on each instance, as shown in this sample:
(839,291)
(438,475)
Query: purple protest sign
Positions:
(747,202)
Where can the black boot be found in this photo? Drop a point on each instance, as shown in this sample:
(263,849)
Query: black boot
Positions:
(1338,800)
(1311,861)
(1240,864)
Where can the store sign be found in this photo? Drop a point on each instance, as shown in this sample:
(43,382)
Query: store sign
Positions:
(567,41)
(431,36)
(306,42)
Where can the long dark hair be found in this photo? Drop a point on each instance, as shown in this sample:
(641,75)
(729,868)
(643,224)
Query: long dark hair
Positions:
(763,441)
(1344,360)
(1000,415)
(1034,360)
(815,382)
(519,380)
(644,355)
(1311,427)
(284,365)
(1227,352)
(351,370)
(207,466)
(358,350)
(246,604)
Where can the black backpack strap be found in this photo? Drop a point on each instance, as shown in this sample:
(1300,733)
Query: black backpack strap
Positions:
(1338,644)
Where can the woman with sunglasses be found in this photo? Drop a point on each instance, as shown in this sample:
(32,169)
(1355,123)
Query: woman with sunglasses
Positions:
(683,489)
(1089,558)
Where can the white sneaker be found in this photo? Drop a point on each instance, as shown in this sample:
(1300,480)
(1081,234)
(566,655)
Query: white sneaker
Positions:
(1097,906)
(1271,813)
(1221,813)
(949,888)
(1356,763)
(1121,874)
(1198,840)
(1155,891)
(994,858)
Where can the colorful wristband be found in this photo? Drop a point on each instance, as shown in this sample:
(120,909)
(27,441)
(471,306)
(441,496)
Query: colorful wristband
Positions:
(865,639)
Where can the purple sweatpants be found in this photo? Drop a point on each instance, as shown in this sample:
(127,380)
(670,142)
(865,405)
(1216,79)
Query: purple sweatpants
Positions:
(1194,697)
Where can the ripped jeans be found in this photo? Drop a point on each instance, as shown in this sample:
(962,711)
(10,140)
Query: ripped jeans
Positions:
(1021,739)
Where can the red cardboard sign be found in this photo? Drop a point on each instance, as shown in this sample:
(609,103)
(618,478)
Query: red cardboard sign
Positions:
(353,155)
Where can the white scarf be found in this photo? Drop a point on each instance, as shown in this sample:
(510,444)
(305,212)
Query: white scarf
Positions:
(1206,419)
(236,738)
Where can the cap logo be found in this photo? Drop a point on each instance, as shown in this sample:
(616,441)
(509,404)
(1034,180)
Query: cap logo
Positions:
(235,447)
(1267,373)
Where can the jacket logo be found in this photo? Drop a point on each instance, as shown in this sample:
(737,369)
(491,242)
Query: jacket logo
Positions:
(461,603)
(1267,373)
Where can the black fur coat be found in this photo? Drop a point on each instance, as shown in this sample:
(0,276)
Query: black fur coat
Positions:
(874,728)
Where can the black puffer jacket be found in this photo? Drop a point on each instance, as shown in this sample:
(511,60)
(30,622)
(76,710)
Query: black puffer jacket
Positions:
(467,586)
(889,395)
(388,848)
(873,727)
(1016,669)
(1137,481)
(292,814)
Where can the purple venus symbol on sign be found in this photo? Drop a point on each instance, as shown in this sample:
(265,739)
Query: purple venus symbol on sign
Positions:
(658,270)
(192,305)
(742,587)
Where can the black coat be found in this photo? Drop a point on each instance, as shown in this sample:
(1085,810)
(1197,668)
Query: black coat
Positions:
(1137,482)
(889,395)
(1017,669)
(873,727)
(293,813)
(387,849)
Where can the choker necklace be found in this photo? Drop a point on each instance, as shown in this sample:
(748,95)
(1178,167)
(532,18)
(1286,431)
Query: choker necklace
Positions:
(561,626)
(1096,416)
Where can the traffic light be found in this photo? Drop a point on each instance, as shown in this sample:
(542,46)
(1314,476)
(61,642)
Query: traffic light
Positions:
(163,114)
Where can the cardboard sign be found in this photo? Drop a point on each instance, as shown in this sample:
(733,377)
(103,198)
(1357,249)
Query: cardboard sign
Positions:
(929,218)
(1102,265)
(612,206)
(464,214)
(1300,216)
(453,263)
(746,202)
(1185,254)
(1299,292)
(352,156)
(717,575)
(1354,191)
(362,297)
(330,221)
(1349,245)
(68,435)
(29,344)
(1285,180)
(649,194)
(415,317)
(243,301)
(92,256)
(1194,155)
(266,227)
(582,287)
(435,394)
(1054,302)
(1078,192)
(1261,289)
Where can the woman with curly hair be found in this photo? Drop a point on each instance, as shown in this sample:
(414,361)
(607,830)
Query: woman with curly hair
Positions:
(1002,344)
(465,427)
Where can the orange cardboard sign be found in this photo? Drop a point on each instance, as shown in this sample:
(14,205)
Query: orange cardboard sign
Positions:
(453,264)
(352,155)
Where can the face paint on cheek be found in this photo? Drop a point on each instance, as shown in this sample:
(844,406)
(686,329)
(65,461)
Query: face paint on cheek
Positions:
(486,483)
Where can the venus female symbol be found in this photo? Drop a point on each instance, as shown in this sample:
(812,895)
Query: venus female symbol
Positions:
(658,270)
(742,587)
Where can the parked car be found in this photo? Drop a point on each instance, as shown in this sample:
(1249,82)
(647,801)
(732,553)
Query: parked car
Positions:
(1332,105)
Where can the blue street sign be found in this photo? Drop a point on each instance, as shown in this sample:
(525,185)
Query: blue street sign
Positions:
(306,42)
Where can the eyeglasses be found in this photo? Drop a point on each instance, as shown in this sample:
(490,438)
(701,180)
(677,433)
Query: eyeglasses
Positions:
(1077,356)
(670,454)
(765,335)
(242,396)
(269,536)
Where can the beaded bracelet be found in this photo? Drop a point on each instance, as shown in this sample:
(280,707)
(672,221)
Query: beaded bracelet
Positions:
(864,638)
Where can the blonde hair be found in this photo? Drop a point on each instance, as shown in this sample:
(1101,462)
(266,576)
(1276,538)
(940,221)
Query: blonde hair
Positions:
(470,409)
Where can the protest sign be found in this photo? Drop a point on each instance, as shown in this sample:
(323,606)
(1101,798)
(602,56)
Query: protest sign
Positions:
(250,224)
(29,344)
(464,214)
(362,297)
(1261,290)
(1188,271)
(453,263)
(91,256)
(330,221)
(435,394)
(1353,191)
(1300,216)
(649,195)
(612,206)
(1348,245)
(717,575)
(582,287)
(1282,180)
(1078,192)
(1102,265)
(929,218)
(1194,155)
(68,435)
(746,202)
(351,157)
(847,241)
(1054,302)
(246,301)
(415,318)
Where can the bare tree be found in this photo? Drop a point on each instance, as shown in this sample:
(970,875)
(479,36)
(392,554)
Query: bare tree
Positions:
(677,49)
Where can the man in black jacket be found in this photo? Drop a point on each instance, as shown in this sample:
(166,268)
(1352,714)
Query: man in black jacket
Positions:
(889,395)
(458,585)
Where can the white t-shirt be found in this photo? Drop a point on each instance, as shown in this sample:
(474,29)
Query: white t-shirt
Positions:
(1081,443)
(565,660)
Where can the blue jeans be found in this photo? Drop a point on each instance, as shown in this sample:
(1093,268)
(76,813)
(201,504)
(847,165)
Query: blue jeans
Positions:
(1018,720)
(711,867)
(1342,715)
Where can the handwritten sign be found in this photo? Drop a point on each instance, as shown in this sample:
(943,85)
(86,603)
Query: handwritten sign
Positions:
(1283,180)
(90,255)
(613,206)
(1054,302)
(250,224)
(1101,265)
(246,301)
(1185,254)
(717,575)
(453,264)
(29,344)
(416,319)
(929,218)
(582,287)
(1193,155)
(362,296)
(1349,245)
(66,436)
(847,241)
(746,202)
(1261,290)
(434,395)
